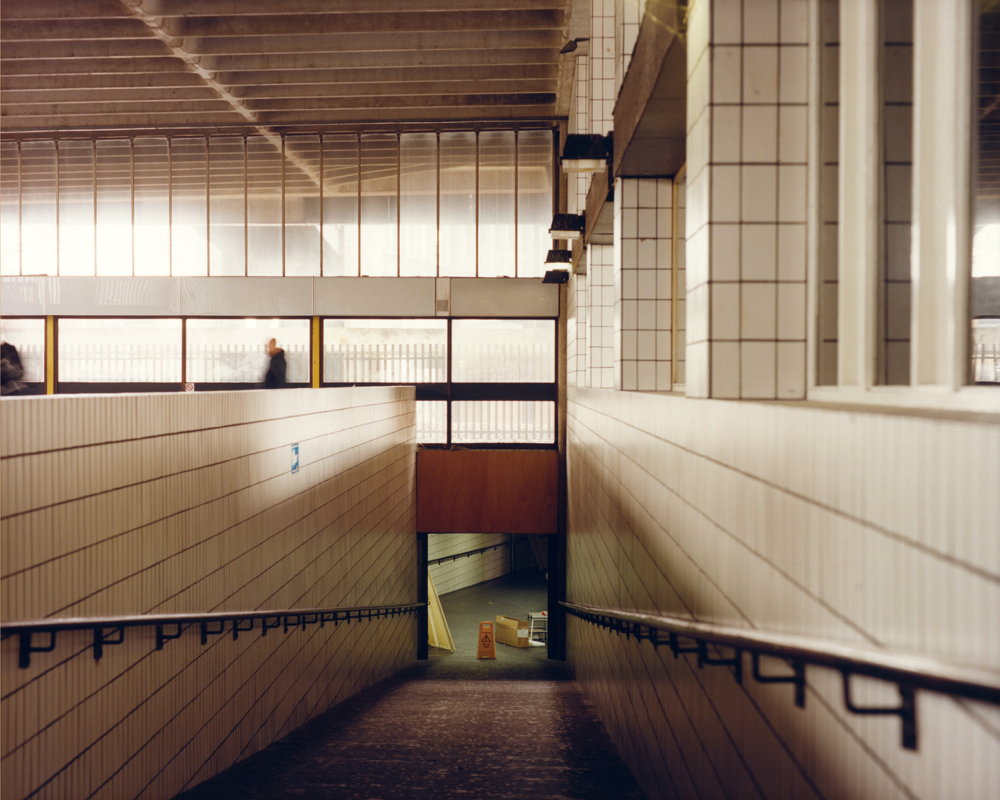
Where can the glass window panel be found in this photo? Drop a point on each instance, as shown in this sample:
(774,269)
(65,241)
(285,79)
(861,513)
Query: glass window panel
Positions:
(418,204)
(189,176)
(28,336)
(119,350)
(379,186)
(152,206)
(826,355)
(264,252)
(114,207)
(432,421)
(235,350)
(10,223)
(302,180)
(76,208)
(503,351)
(897,169)
(496,204)
(385,350)
(985,283)
(534,201)
(39,242)
(503,421)
(680,282)
(226,206)
(340,205)
(458,205)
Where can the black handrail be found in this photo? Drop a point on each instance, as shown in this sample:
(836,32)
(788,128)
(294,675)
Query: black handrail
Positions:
(288,618)
(469,553)
(909,672)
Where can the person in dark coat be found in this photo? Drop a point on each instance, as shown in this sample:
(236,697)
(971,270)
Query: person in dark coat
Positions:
(10,369)
(274,378)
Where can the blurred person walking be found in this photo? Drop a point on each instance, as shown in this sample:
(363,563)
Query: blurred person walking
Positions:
(274,378)
(10,369)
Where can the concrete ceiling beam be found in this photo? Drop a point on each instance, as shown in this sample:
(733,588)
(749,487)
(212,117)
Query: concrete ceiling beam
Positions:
(412,21)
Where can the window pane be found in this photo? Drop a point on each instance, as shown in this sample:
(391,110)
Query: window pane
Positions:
(496,204)
(226,205)
(985,283)
(263,206)
(826,356)
(10,225)
(432,421)
(379,185)
(302,181)
(503,351)
(458,205)
(385,351)
(76,208)
(235,350)
(340,205)
(503,421)
(119,350)
(114,207)
(534,201)
(28,336)
(418,204)
(680,282)
(39,245)
(152,207)
(189,174)
(897,165)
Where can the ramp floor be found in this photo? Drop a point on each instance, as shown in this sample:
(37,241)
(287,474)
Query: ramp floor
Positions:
(449,727)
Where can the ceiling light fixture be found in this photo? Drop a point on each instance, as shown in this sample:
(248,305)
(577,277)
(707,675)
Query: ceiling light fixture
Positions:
(586,152)
(566,226)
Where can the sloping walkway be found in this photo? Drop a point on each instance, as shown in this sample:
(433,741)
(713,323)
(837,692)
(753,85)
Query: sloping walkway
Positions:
(449,727)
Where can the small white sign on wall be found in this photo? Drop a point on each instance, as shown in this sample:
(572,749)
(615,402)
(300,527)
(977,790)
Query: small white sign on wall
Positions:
(295,458)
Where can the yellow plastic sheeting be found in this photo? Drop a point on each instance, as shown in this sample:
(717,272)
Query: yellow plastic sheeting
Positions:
(438,633)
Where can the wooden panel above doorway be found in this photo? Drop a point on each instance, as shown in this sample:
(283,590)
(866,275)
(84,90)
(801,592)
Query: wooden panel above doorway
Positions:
(487,491)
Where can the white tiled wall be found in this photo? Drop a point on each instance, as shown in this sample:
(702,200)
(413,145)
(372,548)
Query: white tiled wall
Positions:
(747,133)
(643,283)
(126,504)
(451,576)
(600,316)
(766,516)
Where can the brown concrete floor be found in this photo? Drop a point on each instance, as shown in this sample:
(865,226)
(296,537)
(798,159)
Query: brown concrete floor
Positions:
(449,727)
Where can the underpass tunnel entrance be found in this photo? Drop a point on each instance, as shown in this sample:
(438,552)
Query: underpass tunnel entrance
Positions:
(500,578)
(490,551)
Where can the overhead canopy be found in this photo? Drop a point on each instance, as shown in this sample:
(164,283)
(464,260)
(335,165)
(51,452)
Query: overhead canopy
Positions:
(211,64)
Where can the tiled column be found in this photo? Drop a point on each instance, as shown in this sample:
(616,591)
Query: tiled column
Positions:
(576,331)
(643,283)
(601,316)
(747,85)
(602,66)
(579,122)
(628,17)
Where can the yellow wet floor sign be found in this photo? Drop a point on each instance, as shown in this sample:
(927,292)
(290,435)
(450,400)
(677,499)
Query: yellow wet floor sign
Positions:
(487,646)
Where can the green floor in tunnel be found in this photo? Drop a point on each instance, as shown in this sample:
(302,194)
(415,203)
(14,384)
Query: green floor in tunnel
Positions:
(449,727)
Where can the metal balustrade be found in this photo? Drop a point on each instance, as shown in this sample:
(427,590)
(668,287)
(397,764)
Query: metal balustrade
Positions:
(908,672)
(111,630)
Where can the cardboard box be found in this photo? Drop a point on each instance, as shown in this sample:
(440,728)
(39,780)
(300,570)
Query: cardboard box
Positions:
(510,631)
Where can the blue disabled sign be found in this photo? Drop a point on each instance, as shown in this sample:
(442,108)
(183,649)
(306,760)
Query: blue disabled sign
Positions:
(295,458)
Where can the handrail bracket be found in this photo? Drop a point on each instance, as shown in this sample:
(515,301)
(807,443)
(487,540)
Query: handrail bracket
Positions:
(26,648)
(906,710)
(799,678)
